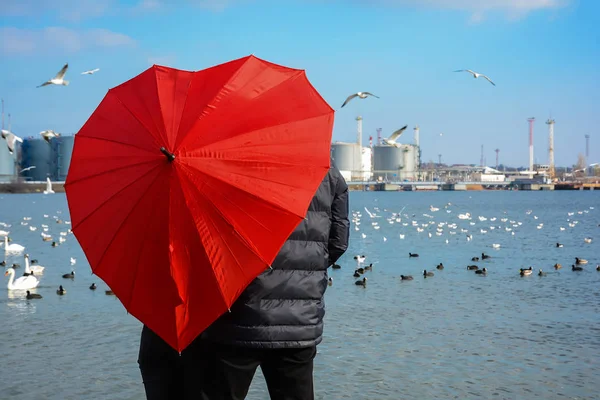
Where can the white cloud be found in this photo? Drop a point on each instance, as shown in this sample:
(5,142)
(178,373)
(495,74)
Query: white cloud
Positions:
(17,41)
(77,10)
(479,8)
(69,10)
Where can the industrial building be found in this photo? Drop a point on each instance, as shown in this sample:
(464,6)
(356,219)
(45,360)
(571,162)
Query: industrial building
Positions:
(50,159)
(395,163)
(382,162)
(62,149)
(38,153)
(7,163)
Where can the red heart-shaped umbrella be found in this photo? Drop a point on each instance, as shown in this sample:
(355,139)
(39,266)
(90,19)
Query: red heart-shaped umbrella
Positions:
(183,186)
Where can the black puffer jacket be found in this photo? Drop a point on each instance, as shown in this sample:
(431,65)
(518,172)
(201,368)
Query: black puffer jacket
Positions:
(284,306)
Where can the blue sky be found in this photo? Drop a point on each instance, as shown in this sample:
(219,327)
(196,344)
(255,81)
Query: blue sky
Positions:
(544,56)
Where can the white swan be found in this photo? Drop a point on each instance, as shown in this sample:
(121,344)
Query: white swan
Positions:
(48,187)
(13,247)
(22,283)
(33,269)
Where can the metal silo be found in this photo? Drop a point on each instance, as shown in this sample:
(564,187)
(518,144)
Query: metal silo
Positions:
(39,153)
(7,162)
(63,150)
(347,157)
(366,164)
(410,162)
(388,162)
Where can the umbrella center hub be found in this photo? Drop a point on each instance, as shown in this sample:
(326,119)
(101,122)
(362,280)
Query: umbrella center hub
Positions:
(170,156)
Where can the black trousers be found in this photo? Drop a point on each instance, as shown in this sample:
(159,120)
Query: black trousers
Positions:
(210,371)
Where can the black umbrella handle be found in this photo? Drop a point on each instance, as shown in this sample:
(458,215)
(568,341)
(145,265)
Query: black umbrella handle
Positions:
(170,156)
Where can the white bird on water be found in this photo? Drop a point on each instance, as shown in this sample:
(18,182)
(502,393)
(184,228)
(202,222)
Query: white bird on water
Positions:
(394,136)
(362,95)
(59,78)
(91,71)
(11,138)
(476,75)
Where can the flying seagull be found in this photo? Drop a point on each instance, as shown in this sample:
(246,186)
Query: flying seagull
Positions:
(394,136)
(27,169)
(476,75)
(362,95)
(11,138)
(49,134)
(90,72)
(58,79)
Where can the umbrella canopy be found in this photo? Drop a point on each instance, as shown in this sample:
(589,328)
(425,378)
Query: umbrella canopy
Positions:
(183,186)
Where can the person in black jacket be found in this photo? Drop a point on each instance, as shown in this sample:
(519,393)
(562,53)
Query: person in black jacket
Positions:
(276,323)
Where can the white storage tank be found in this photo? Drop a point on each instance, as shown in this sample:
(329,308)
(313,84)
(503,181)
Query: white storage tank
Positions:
(7,162)
(391,163)
(366,173)
(347,158)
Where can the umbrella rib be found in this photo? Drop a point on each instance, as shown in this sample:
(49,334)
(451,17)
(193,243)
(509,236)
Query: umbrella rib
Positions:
(139,121)
(208,220)
(262,128)
(249,245)
(137,263)
(108,171)
(233,204)
(128,215)
(113,196)
(231,78)
(252,194)
(114,141)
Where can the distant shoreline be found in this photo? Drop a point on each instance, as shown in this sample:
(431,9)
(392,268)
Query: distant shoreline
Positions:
(22,188)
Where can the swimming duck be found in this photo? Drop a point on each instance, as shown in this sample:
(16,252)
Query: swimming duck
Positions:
(440,266)
(369,267)
(580,261)
(598,267)
(426,274)
(526,272)
(485,256)
(69,276)
(472,267)
(413,255)
(330,281)
(406,277)
(336,266)
(557,266)
(356,274)
(475,259)
(559,245)
(541,273)
(362,283)
(33,295)
(61,290)
(109,293)
(574,268)
(481,271)
(93,286)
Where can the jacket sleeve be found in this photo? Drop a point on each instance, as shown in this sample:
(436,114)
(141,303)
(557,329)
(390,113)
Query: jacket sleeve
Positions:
(340,225)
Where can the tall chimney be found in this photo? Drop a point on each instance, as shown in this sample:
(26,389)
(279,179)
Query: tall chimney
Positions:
(531,120)
(359,130)
(550,123)
(416,129)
